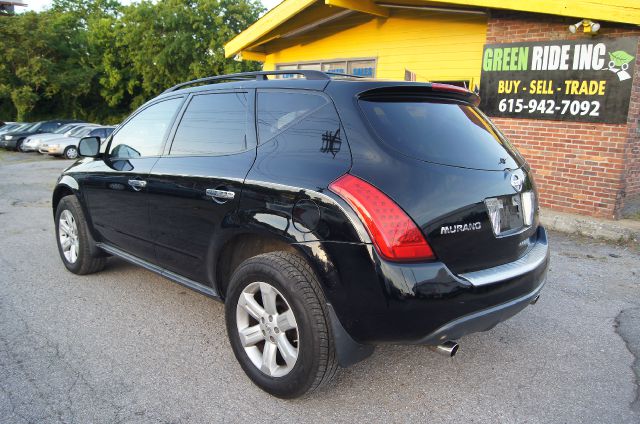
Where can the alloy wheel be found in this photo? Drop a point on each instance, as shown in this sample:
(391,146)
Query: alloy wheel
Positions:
(71,153)
(68,236)
(267,328)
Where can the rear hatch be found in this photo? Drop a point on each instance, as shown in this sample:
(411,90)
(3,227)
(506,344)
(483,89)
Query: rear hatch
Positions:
(454,174)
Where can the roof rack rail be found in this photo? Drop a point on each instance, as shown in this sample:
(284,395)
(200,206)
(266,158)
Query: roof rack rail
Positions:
(342,74)
(258,75)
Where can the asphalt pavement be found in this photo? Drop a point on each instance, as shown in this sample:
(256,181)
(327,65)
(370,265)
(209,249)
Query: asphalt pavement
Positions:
(126,345)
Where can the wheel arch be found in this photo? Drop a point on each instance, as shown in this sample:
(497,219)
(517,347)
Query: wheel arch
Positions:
(239,248)
(66,186)
(246,245)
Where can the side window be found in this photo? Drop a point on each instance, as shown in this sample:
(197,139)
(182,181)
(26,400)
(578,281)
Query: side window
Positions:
(144,133)
(213,124)
(278,110)
(48,127)
(96,133)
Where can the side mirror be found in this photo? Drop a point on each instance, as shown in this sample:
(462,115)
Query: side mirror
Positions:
(89,147)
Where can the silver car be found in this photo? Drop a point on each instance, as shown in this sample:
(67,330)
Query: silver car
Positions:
(33,142)
(44,144)
(68,146)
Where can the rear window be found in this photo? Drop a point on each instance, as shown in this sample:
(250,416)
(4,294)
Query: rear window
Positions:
(448,133)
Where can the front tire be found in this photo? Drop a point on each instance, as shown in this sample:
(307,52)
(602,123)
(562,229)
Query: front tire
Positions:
(278,325)
(74,242)
(70,152)
(19,145)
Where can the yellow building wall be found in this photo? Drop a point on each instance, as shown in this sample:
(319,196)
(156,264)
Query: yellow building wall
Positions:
(436,46)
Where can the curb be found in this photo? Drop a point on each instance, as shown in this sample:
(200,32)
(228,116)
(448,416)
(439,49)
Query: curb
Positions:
(624,230)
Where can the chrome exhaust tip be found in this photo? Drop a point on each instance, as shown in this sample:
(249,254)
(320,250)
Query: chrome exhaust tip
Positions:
(535,300)
(448,348)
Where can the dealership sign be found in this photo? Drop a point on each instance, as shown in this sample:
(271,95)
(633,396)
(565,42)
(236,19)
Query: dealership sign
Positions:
(583,80)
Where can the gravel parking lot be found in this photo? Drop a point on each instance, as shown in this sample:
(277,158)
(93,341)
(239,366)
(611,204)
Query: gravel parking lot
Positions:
(126,345)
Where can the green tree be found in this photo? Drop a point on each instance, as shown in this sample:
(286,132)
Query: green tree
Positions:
(46,69)
(98,60)
(154,46)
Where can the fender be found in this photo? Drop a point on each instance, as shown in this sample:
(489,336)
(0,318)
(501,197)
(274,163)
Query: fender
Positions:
(68,183)
(64,183)
(267,238)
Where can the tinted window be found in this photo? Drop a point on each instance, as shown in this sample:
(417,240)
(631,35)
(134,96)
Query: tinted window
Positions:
(279,110)
(63,129)
(98,132)
(35,127)
(442,132)
(48,127)
(213,124)
(27,127)
(76,131)
(306,151)
(144,133)
(84,131)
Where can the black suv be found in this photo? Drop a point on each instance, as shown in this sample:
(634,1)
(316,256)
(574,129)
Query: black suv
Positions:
(329,213)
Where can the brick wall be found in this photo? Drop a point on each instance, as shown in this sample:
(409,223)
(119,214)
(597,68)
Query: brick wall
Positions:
(583,168)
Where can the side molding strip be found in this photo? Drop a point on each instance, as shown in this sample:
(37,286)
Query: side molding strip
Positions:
(183,281)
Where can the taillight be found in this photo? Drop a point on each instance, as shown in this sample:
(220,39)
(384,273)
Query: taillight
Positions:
(395,235)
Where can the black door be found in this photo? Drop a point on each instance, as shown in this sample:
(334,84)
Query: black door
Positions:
(195,187)
(116,189)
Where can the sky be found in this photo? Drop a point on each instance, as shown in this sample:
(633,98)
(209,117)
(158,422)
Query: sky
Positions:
(42,4)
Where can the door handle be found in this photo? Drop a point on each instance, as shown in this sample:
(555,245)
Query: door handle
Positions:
(137,185)
(222,195)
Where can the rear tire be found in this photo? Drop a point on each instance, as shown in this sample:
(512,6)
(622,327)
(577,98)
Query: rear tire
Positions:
(297,290)
(74,242)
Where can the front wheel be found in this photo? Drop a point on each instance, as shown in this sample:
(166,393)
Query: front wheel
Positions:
(19,145)
(278,325)
(70,152)
(74,241)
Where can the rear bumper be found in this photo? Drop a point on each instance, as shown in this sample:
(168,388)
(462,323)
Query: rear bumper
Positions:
(483,320)
(382,302)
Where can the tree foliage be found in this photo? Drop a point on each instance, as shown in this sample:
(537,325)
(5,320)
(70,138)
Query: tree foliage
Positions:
(99,60)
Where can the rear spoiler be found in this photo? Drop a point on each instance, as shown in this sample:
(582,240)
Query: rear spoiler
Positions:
(429,89)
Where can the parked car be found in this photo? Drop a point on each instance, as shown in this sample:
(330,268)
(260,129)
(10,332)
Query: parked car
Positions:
(67,147)
(81,129)
(329,215)
(32,143)
(20,129)
(13,126)
(13,140)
